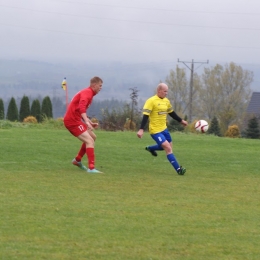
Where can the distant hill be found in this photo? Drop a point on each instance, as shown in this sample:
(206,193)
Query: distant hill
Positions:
(34,78)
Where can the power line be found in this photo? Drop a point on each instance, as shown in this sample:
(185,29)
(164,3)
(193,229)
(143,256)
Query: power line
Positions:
(131,39)
(130,21)
(158,9)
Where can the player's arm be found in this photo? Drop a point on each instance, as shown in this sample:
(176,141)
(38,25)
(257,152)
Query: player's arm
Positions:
(144,121)
(87,120)
(147,109)
(82,108)
(177,118)
(142,126)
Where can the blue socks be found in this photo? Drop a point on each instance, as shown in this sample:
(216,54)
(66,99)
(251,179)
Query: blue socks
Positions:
(155,147)
(171,158)
(173,161)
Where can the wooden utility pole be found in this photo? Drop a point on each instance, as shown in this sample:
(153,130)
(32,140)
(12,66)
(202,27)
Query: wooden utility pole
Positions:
(191,82)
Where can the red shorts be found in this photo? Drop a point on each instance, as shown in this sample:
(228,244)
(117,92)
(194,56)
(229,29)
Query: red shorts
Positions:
(76,128)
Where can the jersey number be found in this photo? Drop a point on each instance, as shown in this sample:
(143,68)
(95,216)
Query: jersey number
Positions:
(81,128)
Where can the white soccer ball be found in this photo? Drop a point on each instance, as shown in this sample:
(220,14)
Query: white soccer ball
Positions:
(202,126)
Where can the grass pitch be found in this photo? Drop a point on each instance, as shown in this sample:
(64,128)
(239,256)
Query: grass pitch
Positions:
(139,209)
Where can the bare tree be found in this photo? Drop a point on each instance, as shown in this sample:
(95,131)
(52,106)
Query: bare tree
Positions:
(178,90)
(210,92)
(133,96)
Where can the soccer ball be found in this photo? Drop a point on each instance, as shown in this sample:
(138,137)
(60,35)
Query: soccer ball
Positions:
(202,126)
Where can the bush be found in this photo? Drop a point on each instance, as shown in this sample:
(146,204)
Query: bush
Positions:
(30,119)
(53,123)
(60,119)
(94,120)
(233,132)
(174,125)
(191,127)
(129,125)
(113,120)
(5,124)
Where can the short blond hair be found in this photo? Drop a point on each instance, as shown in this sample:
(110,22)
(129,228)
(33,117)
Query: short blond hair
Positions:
(95,80)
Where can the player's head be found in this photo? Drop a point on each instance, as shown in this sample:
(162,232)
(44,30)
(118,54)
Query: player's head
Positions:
(162,90)
(96,84)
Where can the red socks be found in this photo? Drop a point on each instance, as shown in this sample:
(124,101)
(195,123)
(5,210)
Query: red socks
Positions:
(81,153)
(91,158)
(90,154)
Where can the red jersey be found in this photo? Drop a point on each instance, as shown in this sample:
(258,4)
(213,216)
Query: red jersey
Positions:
(79,104)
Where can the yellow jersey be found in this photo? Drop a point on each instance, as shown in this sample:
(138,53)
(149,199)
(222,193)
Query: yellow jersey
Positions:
(157,109)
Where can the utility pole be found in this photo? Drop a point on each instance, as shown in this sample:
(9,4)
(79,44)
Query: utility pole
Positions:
(191,82)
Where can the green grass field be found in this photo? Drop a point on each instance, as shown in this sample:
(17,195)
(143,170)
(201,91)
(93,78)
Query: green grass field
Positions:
(139,209)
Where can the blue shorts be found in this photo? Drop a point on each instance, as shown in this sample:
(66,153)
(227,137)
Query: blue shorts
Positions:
(161,137)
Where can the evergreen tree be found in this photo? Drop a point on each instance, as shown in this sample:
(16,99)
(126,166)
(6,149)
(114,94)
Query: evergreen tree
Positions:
(24,108)
(214,127)
(252,130)
(47,107)
(12,111)
(36,109)
(2,109)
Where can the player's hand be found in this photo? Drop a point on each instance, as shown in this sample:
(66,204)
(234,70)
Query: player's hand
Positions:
(140,133)
(183,122)
(94,125)
(89,126)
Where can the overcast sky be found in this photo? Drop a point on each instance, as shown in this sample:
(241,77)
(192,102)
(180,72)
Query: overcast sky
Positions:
(131,31)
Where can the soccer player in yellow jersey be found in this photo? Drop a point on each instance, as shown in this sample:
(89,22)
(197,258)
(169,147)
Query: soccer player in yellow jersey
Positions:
(157,108)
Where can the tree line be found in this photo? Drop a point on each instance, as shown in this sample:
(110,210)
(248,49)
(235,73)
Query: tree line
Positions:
(220,95)
(37,109)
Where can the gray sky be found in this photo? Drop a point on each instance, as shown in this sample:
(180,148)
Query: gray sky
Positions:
(140,32)
(131,31)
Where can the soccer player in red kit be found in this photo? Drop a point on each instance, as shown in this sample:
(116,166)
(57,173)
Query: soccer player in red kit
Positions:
(79,125)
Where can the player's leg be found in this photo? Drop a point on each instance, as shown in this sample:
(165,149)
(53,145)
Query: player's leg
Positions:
(172,159)
(92,134)
(80,131)
(82,150)
(89,152)
(89,141)
(165,141)
(153,148)
(76,128)
(77,160)
(170,156)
